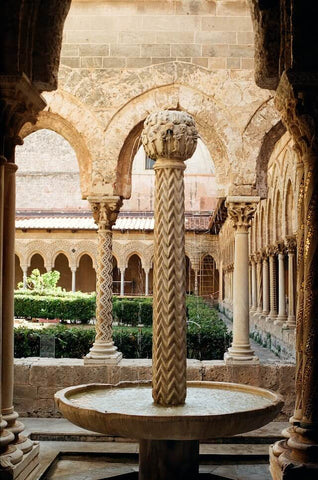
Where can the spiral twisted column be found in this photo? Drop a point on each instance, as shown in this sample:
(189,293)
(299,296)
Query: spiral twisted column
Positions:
(103,351)
(170,138)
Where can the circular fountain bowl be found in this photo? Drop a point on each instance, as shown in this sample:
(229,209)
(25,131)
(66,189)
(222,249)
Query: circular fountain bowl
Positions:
(212,409)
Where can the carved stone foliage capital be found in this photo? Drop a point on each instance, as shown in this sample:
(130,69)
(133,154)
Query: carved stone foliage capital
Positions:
(280,246)
(291,244)
(20,103)
(169,134)
(241,213)
(105,211)
(272,250)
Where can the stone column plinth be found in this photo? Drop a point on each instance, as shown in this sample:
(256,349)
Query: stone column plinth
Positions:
(103,351)
(241,211)
(170,138)
(291,250)
(281,317)
(271,251)
(265,285)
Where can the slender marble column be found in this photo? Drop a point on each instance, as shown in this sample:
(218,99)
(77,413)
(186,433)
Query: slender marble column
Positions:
(25,275)
(291,249)
(259,277)
(105,211)
(221,282)
(147,281)
(8,412)
(281,317)
(122,282)
(170,138)
(196,283)
(9,454)
(73,279)
(241,211)
(265,285)
(254,294)
(271,251)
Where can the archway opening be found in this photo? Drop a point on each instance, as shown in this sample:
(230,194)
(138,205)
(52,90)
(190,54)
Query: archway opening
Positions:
(18,271)
(61,264)
(37,261)
(85,275)
(134,276)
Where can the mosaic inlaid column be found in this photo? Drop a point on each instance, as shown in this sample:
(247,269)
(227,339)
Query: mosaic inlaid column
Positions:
(291,250)
(103,351)
(241,211)
(281,316)
(196,283)
(265,285)
(254,295)
(271,251)
(170,138)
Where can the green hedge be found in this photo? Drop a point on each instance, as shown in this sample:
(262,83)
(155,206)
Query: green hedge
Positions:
(77,306)
(133,311)
(207,336)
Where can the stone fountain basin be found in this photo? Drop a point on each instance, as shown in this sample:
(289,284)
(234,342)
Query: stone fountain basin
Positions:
(212,409)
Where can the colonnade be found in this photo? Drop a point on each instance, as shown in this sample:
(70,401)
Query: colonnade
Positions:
(270,296)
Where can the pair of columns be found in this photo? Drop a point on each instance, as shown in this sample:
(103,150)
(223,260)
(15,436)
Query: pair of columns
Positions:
(264,283)
(122,281)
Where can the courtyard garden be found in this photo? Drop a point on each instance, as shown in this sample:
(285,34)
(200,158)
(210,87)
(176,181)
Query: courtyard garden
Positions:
(73,333)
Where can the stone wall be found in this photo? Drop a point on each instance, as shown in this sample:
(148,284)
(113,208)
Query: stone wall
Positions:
(37,379)
(125,34)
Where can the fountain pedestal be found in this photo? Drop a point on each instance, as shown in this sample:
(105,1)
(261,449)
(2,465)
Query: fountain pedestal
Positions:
(168,459)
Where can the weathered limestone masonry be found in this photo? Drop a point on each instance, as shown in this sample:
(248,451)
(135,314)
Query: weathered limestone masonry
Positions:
(37,379)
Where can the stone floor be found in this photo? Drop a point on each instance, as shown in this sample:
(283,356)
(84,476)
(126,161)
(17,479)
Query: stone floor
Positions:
(71,453)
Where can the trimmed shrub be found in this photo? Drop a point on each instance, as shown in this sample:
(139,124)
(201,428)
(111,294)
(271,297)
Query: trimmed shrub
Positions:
(77,306)
(133,311)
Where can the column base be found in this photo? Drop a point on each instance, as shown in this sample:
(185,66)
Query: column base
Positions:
(240,355)
(103,353)
(280,320)
(291,323)
(271,318)
(24,469)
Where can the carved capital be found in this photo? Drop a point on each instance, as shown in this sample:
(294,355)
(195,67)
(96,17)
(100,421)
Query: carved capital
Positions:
(241,211)
(20,102)
(169,134)
(105,211)
(272,250)
(291,244)
(297,102)
(280,247)
(258,257)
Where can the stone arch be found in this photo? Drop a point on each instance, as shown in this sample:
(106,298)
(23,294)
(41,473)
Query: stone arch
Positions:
(61,251)
(68,117)
(289,217)
(269,222)
(122,135)
(86,248)
(40,247)
(260,135)
(278,218)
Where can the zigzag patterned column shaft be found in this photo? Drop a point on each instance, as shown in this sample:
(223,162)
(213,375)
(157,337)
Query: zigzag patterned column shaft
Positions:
(105,212)
(171,138)
(169,331)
